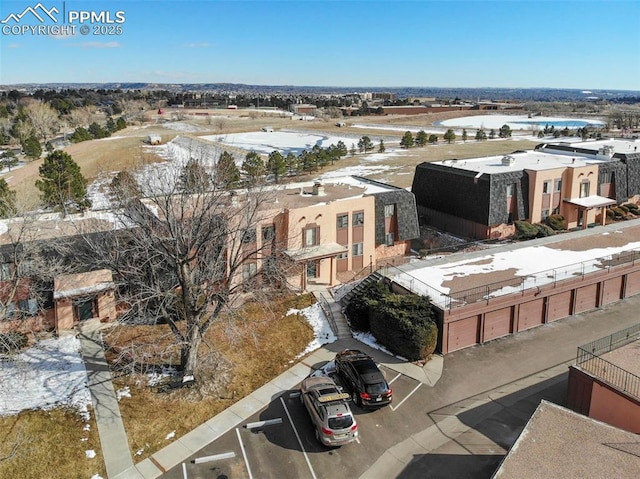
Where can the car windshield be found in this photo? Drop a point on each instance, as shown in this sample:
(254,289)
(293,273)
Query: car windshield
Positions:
(377,388)
(341,422)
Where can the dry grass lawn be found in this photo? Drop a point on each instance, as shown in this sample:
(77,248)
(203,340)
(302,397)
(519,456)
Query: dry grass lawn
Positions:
(258,347)
(52,445)
(126,149)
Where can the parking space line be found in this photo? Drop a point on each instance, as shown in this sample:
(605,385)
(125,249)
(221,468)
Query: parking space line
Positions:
(313,474)
(407,397)
(244,454)
(399,374)
(184,471)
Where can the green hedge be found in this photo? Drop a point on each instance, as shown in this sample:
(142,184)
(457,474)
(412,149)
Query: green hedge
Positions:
(556,222)
(402,323)
(526,230)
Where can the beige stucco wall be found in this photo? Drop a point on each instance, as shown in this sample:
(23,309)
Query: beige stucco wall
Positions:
(324,216)
(107,306)
(536,182)
(64,313)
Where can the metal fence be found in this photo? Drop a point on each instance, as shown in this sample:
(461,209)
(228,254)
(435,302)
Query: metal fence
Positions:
(535,280)
(326,309)
(588,358)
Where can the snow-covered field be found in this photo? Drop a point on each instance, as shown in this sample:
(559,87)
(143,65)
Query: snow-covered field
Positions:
(284,141)
(518,122)
(48,375)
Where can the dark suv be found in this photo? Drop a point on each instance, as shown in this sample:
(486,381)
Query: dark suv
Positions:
(362,376)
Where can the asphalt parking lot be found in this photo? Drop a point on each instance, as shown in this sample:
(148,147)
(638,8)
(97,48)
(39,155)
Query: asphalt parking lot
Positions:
(279,442)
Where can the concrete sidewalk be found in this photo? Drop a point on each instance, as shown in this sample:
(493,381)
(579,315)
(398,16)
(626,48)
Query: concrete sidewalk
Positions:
(113,437)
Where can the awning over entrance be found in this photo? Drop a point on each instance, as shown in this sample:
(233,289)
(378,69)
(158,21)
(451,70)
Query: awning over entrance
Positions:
(589,202)
(70,285)
(316,252)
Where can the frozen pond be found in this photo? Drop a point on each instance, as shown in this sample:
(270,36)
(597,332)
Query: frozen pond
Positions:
(284,141)
(519,122)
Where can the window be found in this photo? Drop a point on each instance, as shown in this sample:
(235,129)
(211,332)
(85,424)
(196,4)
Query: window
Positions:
(342,221)
(5,271)
(358,218)
(249,236)
(584,189)
(249,270)
(389,210)
(311,236)
(268,233)
(557,186)
(358,249)
(511,189)
(312,270)
(389,239)
(546,187)
(545,214)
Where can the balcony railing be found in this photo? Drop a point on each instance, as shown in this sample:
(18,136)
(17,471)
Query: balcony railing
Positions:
(588,358)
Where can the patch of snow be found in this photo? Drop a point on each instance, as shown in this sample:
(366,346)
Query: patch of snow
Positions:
(153,379)
(171,435)
(139,452)
(96,476)
(86,427)
(515,122)
(90,453)
(321,329)
(326,370)
(49,374)
(125,392)
(182,127)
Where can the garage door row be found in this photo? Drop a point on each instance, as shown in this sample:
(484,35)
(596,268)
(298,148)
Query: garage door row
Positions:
(483,321)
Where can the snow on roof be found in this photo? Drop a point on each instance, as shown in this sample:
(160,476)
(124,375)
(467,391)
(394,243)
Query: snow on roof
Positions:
(517,122)
(519,161)
(531,263)
(592,201)
(69,285)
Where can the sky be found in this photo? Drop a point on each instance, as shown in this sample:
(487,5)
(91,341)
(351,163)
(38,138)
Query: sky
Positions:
(582,44)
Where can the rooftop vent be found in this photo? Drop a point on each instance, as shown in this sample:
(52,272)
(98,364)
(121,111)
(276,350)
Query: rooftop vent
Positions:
(318,190)
(508,160)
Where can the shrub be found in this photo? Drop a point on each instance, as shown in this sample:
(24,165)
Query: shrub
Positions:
(544,230)
(359,308)
(556,222)
(525,230)
(624,208)
(12,342)
(632,207)
(618,213)
(610,214)
(403,323)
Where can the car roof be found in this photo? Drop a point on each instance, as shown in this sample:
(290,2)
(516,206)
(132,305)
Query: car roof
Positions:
(337,408)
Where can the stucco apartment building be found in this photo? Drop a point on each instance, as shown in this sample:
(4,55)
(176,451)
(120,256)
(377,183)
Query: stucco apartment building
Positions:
(481,197)
(337,228)
(322,230)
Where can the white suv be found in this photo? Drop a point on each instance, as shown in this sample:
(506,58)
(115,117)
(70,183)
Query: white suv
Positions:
(329,411)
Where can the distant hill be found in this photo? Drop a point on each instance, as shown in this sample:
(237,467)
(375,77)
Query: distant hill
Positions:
(522,94)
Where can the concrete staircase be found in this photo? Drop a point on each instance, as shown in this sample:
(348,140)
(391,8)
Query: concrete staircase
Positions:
(333,312)
(373,277)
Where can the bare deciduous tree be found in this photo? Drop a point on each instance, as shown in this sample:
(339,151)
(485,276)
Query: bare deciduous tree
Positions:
(43,118)
(188,255)
(80,117)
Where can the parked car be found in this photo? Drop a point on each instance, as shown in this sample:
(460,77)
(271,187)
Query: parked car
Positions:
(362,376)
(329,410)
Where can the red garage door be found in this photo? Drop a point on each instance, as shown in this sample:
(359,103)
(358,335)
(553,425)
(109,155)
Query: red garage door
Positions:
(558,306)
(586,298)
(612,290)
(497,324)
(531,314)
(463,333)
